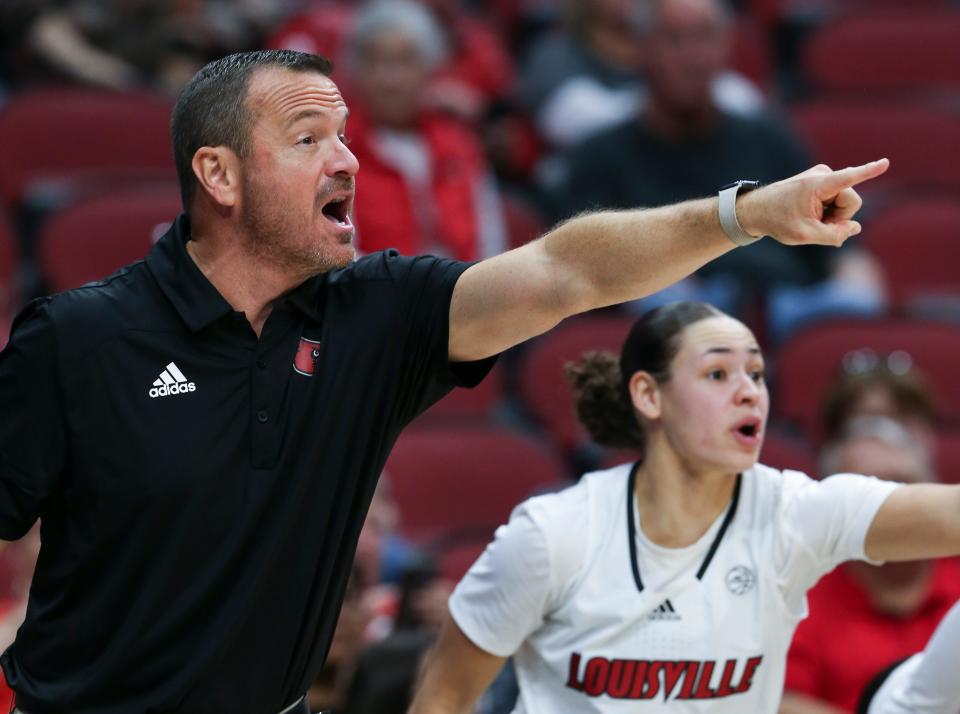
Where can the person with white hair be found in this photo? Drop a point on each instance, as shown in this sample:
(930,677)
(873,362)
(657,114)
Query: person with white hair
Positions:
(427,186)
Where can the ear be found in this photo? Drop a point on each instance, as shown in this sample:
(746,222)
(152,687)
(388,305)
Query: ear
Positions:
(217,169)
(645,395)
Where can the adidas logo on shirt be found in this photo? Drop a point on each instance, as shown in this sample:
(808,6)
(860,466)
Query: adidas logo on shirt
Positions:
(171,381)
(666,611)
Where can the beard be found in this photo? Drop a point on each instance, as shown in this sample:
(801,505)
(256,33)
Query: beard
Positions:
(274,233)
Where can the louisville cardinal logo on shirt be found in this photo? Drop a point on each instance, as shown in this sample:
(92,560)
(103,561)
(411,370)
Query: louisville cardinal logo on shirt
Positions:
(306,359)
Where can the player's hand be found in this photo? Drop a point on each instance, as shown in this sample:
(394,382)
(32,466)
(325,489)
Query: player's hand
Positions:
(812,208)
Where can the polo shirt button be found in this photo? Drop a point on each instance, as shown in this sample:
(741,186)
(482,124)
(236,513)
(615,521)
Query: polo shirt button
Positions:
(262,416)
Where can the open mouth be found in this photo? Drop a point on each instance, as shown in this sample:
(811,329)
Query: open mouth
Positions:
(337,211)
(748,431)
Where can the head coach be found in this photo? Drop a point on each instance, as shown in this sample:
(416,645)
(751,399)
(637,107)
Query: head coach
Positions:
(200,433)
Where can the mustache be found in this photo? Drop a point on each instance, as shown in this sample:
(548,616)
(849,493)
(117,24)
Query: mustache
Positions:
(336,185)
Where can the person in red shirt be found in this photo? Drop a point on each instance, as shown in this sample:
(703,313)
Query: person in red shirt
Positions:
(426,187)
(862,617)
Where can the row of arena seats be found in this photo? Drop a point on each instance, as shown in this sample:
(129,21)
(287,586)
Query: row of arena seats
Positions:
(96,233)
(453,485)
(125,137)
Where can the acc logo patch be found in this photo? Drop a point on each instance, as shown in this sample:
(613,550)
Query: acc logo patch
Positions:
(306,359)
(740,580)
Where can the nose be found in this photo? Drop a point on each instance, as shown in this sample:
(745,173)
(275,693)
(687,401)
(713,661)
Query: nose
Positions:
(748,391)
(343,163)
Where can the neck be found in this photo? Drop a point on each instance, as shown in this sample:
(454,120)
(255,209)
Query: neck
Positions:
(677,501)
(672,124)
(897,589)
(248,282)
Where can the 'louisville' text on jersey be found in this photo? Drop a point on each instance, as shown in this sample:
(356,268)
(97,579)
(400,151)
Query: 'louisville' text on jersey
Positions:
(646,679)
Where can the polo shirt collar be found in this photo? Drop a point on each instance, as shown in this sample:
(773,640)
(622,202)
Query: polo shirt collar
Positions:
(193,296)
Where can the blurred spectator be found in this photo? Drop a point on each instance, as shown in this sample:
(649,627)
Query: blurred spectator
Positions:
(425,186)
(386,671)
(477,70)
(684,145)
(128,44)
(888,386)
(585,77)
(862,617)
(381,551)
(329,690)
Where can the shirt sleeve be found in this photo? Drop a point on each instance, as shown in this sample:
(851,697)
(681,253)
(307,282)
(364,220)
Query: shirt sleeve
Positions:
(824,523)
(32,435)
(926,683)
(505,595)
(424,290)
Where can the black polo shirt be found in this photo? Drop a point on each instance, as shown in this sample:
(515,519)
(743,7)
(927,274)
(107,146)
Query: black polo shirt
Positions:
(201,491)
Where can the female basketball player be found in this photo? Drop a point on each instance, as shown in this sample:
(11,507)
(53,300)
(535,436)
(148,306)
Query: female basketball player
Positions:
(674,583)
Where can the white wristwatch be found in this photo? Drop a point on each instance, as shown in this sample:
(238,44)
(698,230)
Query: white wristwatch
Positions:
(727,211)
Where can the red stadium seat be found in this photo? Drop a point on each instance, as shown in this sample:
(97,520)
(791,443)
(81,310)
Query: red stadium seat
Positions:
(9,294)
(58,139)
(810,359)
(466,480)
(91,238)
(468,405)
(918,243)
(542,385)
(782,452)
(454,562)
(923,144)
(319,30)
(948,456)
(750,53)
(886,52)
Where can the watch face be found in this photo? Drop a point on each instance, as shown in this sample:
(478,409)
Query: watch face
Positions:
(744,185)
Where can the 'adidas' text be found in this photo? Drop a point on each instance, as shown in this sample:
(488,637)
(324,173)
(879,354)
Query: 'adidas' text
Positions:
(171,381)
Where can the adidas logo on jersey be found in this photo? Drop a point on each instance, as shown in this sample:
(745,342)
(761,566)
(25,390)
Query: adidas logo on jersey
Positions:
(171,381)
(666,611)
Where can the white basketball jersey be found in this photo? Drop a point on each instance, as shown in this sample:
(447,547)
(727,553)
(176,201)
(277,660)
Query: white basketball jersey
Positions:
(598,621)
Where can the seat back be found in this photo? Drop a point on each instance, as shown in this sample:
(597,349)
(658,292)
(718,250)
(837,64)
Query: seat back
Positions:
(466,480)
(919,52)
(918,244)
(545,392)
(94,236)
(923,144)
(52,139)
(809,360)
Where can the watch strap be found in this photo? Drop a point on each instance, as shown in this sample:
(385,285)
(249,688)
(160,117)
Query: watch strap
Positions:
(727,211)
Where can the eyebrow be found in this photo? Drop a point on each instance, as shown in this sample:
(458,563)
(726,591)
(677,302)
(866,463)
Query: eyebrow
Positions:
(727,350)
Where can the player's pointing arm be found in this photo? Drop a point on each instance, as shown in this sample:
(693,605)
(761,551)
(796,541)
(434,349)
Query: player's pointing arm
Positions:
(609,257)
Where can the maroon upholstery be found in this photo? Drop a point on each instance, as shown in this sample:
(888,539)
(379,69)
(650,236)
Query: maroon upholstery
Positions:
(81,136)
(782,452)
(886,51)
(923,144)
(468,405)
(91,238)
(809,360)
(466,479)
(918,243)
(542,385)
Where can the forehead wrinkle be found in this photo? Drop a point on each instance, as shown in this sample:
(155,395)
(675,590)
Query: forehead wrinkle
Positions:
(290,96)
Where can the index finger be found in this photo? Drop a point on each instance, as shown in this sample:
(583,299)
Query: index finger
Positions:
(845,178)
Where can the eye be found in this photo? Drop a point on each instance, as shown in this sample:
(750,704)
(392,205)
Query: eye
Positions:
(758,375)
(306,140)
(716,375)
(344,139)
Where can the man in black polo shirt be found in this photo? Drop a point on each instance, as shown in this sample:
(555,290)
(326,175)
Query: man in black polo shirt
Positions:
(201,432)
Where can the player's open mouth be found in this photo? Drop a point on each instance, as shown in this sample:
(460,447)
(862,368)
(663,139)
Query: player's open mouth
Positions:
(749,431)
